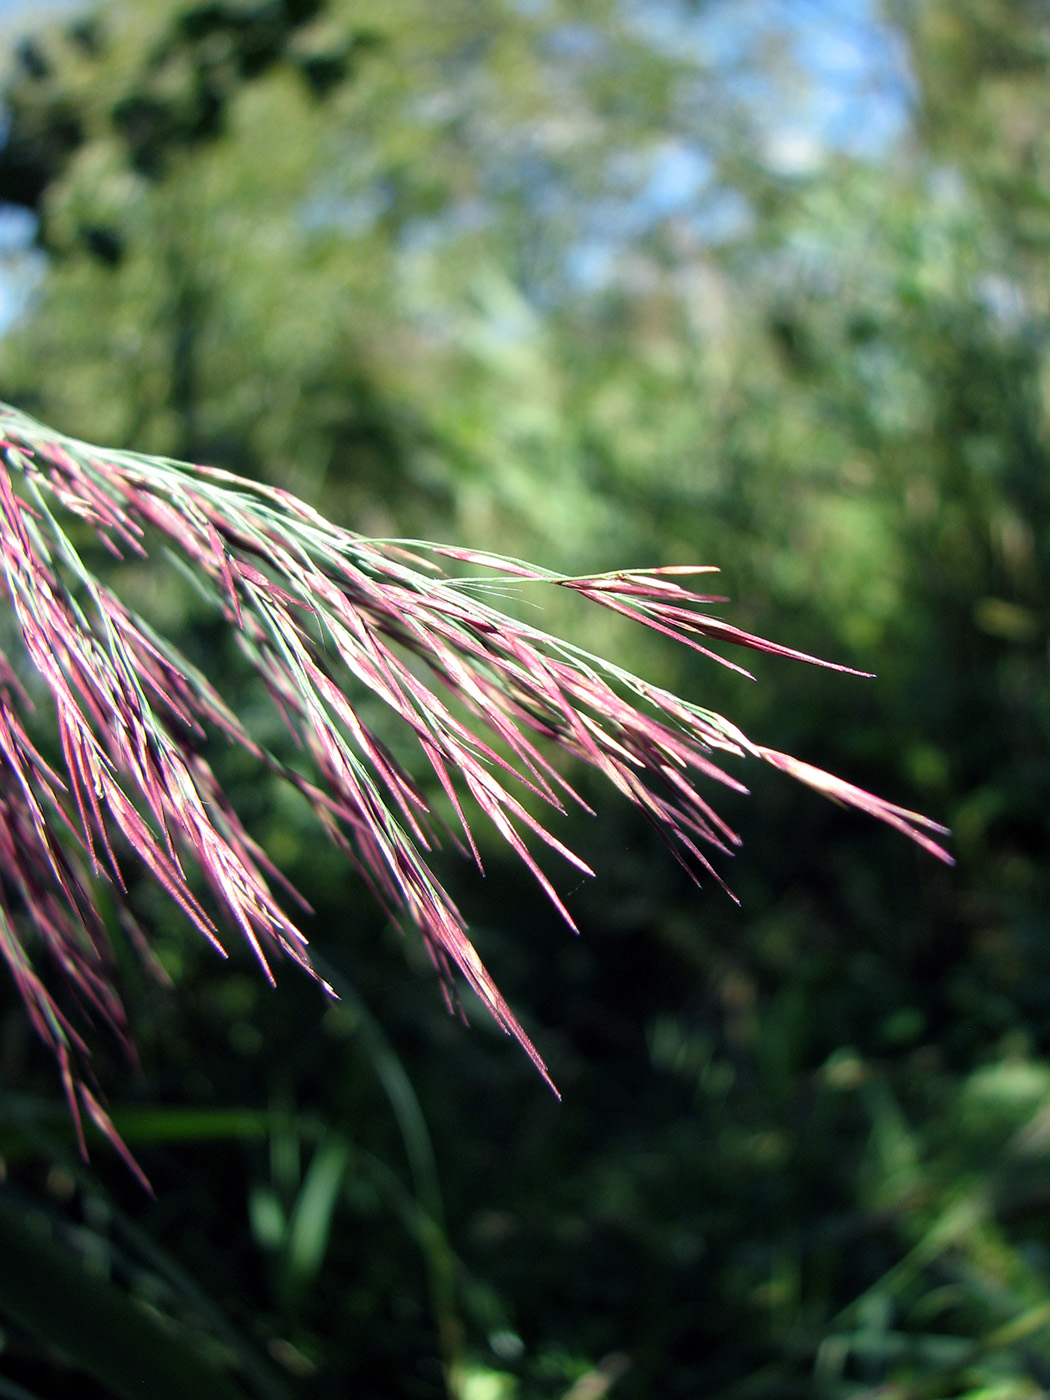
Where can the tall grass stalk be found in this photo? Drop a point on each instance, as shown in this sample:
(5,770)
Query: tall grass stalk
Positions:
(324,617)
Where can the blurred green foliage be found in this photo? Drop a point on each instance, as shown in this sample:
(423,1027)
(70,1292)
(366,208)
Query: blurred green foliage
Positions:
(415,263)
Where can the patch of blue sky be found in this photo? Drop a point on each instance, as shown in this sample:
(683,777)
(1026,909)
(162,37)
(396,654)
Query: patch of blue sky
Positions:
(574,41)
(425,234)
(22,15)
(814,78)
(860,91)
(674,180)
(817,76)
(17,228)
(21,265)
(348,214)
(678,175)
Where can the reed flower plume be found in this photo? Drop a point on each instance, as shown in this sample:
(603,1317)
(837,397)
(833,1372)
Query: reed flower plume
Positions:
(324,617)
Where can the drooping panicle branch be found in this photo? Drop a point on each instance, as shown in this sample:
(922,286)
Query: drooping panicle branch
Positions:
(323,616)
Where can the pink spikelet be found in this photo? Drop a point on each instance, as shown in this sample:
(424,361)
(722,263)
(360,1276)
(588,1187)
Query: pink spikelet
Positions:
(324,617)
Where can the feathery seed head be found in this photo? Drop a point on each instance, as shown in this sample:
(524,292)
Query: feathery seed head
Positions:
(322,615)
